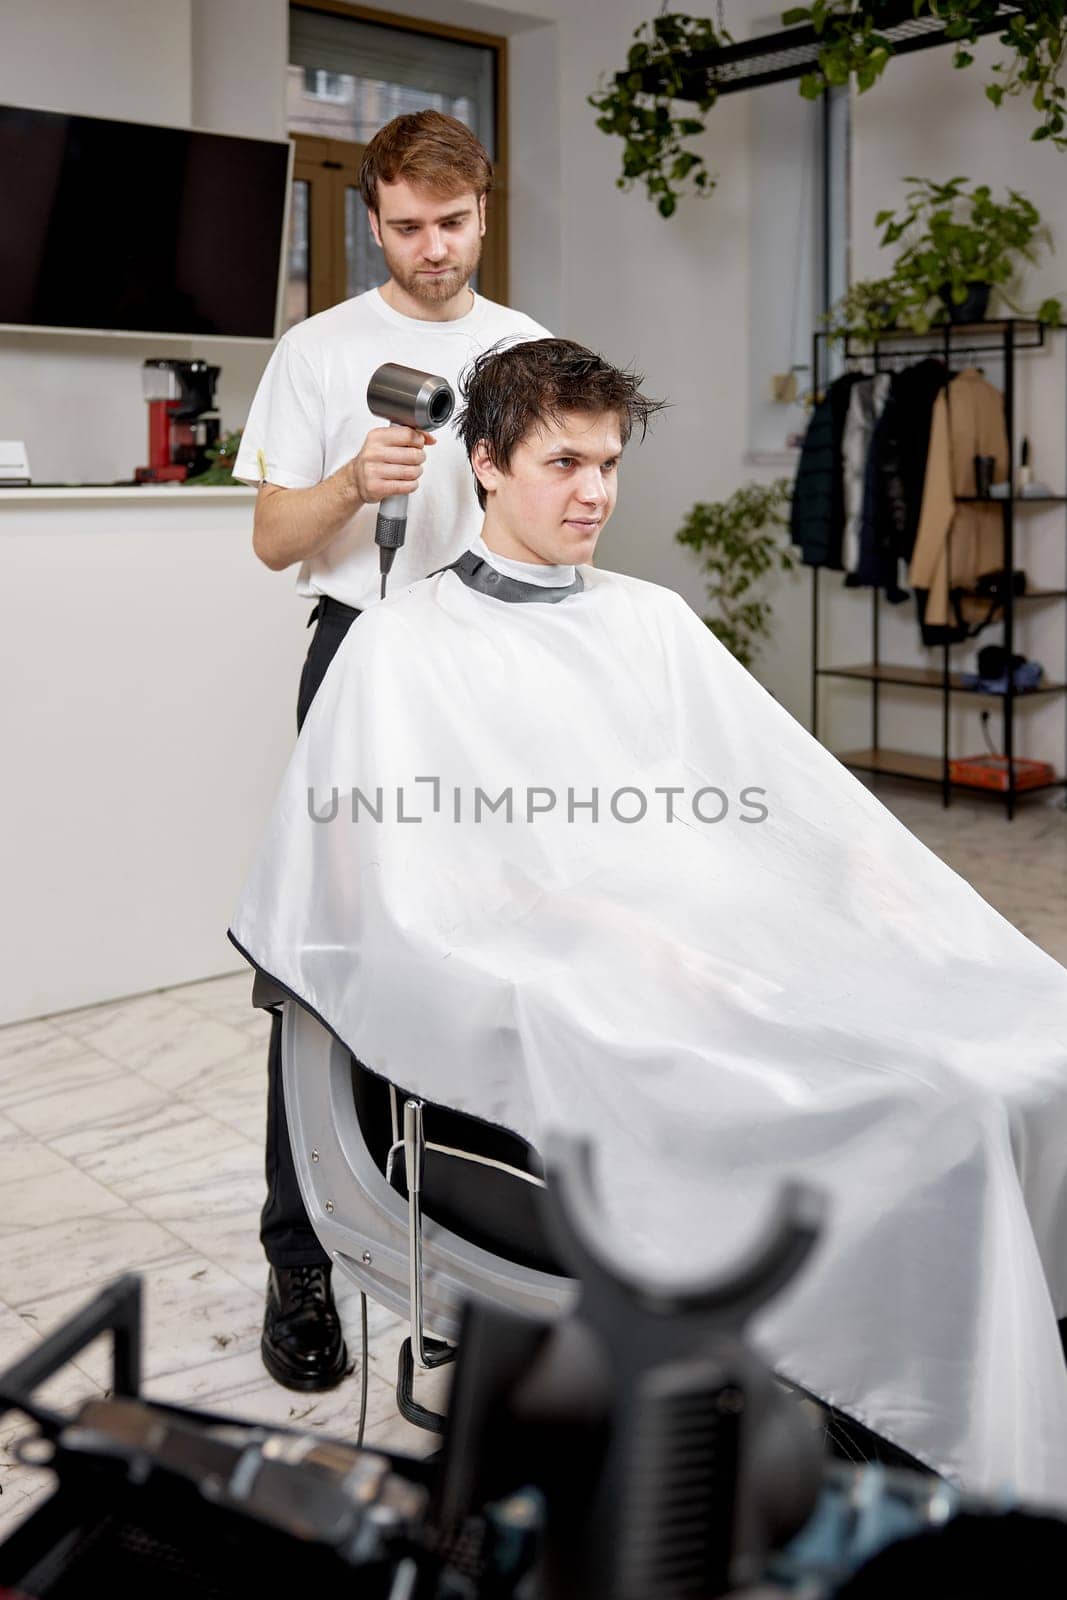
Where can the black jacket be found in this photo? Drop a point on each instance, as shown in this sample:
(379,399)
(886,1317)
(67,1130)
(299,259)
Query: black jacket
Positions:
(817,518)
(896,472)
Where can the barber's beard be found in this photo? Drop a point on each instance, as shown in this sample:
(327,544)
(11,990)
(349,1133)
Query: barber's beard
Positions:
(435,290)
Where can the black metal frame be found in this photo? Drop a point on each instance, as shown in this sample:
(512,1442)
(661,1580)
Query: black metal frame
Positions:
(775,57)
(1005,337)
(116,1309)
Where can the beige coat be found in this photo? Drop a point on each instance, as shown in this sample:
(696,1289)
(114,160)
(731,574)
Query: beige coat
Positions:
(955,543)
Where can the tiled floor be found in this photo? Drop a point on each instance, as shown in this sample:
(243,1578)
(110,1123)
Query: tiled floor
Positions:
(131,1138)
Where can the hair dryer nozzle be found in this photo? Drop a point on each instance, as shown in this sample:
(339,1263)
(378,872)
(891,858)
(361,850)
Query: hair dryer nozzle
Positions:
(412,398)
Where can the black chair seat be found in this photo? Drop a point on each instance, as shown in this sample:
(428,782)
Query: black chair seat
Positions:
(494,1209)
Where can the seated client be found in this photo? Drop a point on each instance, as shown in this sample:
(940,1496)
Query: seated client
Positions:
(546,853)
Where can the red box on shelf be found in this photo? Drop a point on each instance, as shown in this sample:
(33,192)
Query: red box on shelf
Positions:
(991,772)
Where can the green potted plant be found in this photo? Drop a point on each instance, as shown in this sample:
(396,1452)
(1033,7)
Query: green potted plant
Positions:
(867,309)
(739,541)
(961,244)
(222,457)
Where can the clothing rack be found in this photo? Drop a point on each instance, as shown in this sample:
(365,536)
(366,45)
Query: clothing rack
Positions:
(940,341)
(1004,338)
(897,360)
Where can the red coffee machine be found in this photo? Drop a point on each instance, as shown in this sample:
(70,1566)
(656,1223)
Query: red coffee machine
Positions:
(183,424)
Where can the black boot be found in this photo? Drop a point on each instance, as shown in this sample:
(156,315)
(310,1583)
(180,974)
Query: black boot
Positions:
(302,1344)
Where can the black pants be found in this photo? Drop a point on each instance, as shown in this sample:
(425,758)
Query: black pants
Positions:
(284,1230)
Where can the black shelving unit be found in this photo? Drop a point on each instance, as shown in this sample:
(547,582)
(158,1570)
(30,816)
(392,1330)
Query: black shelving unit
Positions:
(1007,338)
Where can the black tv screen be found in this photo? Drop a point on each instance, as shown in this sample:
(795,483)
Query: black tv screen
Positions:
(126,227)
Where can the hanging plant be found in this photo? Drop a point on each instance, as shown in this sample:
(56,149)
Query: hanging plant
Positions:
(663,97)
(639,108)
(1039,38)
(853,48)
(739,542)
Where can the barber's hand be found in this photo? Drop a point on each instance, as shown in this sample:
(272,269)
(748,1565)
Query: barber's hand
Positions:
(390,462)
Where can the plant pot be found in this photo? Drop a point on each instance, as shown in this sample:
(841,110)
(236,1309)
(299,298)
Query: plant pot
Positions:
(973,308)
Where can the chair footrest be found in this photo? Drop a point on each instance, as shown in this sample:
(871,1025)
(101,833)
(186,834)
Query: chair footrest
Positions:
(438,1354)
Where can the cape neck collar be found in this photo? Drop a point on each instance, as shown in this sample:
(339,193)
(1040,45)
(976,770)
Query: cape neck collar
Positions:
(482,569)
(538,572)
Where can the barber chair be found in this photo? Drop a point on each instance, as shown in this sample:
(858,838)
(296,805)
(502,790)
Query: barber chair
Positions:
(423,1207)
(420,1206)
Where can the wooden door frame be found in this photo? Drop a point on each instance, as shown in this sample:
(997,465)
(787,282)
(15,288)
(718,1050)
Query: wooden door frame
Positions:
(495,263)
(309,166)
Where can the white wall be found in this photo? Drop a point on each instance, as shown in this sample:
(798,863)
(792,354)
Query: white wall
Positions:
(237,46)
(535,241)
(76,400)
(109,58)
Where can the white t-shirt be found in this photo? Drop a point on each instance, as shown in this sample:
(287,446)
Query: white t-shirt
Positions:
(310,416)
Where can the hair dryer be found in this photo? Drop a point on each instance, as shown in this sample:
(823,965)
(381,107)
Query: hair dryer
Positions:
(415,400)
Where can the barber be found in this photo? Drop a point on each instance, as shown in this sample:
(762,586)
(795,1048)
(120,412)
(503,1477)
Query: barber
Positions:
(322,465)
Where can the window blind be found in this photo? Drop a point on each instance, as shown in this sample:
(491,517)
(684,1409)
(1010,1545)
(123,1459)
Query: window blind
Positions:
(419,62)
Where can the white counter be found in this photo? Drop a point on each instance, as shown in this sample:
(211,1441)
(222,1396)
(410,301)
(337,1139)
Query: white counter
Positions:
(149,668)
(131,493)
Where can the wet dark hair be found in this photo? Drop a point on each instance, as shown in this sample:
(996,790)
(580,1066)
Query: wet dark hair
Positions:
(508,391)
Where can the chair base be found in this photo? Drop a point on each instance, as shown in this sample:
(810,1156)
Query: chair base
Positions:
(438,1354)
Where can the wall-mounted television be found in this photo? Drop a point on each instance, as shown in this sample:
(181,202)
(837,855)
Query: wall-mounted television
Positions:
(126,228)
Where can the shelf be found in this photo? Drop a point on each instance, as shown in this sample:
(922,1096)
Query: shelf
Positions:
(893,763)
(1002,344)
(937,330)
(1030,594)
(925,769)
(1027,334)
(930,678)
(1011,500)
(133,494)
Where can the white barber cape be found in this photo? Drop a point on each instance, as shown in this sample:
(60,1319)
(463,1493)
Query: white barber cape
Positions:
(741,967)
